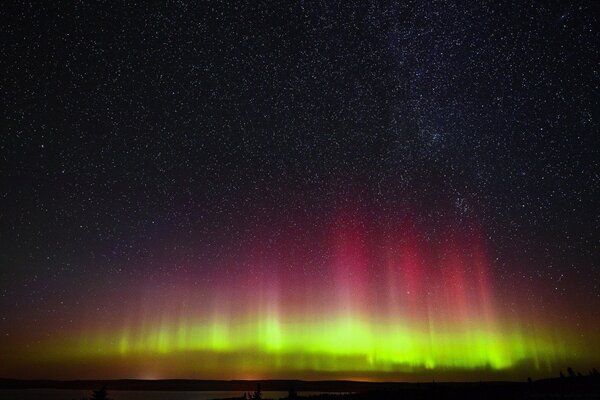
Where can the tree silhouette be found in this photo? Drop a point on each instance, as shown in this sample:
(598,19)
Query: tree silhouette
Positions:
(257,393)
(100,394)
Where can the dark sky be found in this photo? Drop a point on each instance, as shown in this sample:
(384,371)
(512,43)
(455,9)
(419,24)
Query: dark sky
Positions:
(135,134)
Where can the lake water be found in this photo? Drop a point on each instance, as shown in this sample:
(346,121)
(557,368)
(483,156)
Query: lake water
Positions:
(62,394)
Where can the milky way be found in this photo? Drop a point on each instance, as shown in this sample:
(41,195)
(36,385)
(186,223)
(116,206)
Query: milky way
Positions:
(300,190)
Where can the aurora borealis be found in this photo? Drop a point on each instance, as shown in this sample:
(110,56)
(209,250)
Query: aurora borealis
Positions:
(300,191)
(385,301)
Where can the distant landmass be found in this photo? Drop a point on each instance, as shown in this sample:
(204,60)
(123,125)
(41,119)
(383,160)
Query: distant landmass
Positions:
(205,385)
(571,387)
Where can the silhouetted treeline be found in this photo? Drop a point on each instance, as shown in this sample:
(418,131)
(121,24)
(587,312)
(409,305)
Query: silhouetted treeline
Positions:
(575,386)
(572,385)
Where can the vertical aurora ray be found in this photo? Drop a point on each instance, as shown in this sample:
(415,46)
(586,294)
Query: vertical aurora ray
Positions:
(386,301)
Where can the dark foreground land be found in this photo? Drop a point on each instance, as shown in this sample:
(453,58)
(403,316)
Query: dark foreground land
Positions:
(575,387)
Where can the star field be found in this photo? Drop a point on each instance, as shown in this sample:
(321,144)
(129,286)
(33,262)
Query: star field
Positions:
(152,150)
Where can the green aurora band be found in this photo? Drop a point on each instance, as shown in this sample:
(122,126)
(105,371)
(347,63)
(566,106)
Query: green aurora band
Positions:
(400,308)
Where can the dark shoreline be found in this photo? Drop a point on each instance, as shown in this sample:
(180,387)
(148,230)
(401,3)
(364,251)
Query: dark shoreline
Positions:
(342,386)
(206,385)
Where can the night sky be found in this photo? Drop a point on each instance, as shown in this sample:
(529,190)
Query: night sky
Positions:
(333,189)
